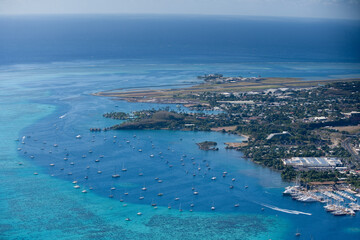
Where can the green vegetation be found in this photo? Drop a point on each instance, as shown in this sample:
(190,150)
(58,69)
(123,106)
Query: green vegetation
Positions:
(117,115)
(354,180)
(208,145)
(153,120)
(280,123)
(289,173)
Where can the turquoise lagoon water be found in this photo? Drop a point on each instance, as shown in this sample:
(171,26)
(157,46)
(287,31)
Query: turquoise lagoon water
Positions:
(47,206)
(49,66)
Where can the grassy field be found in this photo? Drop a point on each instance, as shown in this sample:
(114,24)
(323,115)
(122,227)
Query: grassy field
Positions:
(349,129)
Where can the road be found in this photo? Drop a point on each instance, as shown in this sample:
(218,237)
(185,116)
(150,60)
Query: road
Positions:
(347,145)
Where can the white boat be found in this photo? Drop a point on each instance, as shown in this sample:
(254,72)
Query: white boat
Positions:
(350,191)
(330,207)
(78,137)
(123,168)
(307,198)
(349,211)
(354,206)
(290,190)
(345,195)
(339,213)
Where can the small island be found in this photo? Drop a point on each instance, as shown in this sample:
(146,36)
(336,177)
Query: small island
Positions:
(208,145)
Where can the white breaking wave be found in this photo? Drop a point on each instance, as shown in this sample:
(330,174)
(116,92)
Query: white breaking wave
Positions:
(285,210)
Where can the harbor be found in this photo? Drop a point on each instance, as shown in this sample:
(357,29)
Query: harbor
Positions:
(339,200)
(48,189)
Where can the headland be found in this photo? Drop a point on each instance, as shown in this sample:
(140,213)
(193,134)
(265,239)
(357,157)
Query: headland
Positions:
(283,119)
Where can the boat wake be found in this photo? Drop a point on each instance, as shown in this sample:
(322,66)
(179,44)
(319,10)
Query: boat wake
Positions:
(61,117)
(285,210)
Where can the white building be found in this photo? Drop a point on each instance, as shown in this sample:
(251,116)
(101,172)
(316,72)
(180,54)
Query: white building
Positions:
(313,162)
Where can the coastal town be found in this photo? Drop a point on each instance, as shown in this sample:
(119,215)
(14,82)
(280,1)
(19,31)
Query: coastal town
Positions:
(180,120)
(220,79)
(307,133)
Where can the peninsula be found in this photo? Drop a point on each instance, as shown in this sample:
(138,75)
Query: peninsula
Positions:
(301,128)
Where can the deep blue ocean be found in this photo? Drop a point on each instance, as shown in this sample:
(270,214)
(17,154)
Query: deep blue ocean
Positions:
(50,65)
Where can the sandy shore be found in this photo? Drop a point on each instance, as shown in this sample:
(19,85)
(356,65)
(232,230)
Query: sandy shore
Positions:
(235,144)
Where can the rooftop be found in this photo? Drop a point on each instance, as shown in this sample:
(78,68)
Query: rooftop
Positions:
(313,162)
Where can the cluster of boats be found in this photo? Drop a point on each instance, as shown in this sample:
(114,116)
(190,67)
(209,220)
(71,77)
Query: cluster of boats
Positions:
(191,167)
(333,196)
(345,195)
(339,210)
(300,194)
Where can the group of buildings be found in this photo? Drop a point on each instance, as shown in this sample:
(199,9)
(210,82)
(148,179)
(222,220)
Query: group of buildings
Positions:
(219,78)
(314,162)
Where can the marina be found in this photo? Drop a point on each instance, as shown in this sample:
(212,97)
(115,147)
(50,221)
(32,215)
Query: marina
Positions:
(237,194)
(337,202)
(86,194)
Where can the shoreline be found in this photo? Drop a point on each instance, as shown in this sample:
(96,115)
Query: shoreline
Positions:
(178,95)
(210,96)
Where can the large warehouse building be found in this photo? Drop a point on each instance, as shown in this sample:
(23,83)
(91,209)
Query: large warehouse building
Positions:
(313,162)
